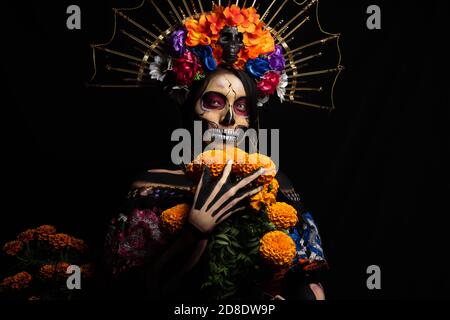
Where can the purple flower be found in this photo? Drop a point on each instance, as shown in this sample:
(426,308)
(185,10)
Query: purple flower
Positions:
(176,43)
(276,59)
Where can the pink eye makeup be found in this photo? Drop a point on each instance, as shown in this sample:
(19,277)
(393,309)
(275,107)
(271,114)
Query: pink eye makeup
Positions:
(216,101)
(240,107)
(213,101)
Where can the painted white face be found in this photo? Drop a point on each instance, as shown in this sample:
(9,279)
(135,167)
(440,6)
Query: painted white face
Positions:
(224,107)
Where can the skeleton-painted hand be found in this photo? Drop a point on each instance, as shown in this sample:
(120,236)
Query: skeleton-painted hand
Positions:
(215,201)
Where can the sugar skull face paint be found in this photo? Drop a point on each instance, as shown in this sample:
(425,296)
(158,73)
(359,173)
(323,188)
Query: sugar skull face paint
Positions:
(223,107)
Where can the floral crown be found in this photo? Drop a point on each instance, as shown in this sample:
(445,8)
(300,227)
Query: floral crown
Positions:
(196,41)
(204,42)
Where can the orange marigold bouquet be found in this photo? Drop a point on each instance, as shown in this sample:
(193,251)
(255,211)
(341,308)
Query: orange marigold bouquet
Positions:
(41,258)
(250,248)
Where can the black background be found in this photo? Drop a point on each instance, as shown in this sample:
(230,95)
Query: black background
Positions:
(373,173)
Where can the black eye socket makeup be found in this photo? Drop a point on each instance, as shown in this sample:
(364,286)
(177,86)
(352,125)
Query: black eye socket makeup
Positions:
(216,101)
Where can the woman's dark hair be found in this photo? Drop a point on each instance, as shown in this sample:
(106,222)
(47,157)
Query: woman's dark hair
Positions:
(187,103)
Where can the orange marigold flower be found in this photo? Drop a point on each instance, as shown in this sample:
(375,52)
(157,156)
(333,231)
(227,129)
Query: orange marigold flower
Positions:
(47,271)
(243,164)
(266,196)
(216,160)
(258,42)
(233,15)
(262,199)
(282,215)
(216,19)
(205,30)
(241,60)
(174,218)
(77,244)
(199,31)
(13,247)
(260,160)
(18,281)
(26,236)
(59,240)
(44,231)
(267,43)
(277,248)
(217,53)
(251,19)
(253,39)
(61,268)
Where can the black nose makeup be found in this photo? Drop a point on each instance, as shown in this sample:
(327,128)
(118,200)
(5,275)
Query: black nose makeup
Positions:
(228,120)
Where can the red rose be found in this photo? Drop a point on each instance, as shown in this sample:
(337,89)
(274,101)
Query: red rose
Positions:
(186,68)
(269,82)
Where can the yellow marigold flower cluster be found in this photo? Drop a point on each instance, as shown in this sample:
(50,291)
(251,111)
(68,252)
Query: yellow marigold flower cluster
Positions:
(13,247)
(266,196)
(282,215)
(243,164)
(277,248)
(18,281)
(174,218)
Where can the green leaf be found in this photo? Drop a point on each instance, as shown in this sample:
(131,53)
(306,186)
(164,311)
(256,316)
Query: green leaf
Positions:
(229,283)
(231,250)
(241,256)
(236,244)
(223,243)
(223,237)
(253,243)
(234,232)
(254,250)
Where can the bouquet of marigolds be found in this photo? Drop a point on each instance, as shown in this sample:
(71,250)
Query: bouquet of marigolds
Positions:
(41,260)
(252,248)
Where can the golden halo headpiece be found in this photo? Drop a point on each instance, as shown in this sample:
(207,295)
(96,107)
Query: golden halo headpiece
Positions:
(280,43)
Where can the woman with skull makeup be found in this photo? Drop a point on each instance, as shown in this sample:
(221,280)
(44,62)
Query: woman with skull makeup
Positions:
(224,96)
(224,101)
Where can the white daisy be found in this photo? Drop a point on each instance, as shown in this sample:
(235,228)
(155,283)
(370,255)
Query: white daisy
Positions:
(281,88)
(159,67)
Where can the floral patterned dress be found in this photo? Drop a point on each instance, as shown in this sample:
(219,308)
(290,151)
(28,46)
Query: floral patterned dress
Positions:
(135,239)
